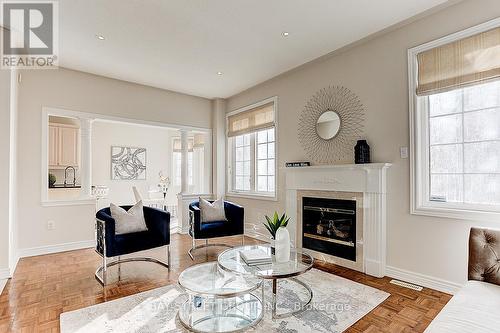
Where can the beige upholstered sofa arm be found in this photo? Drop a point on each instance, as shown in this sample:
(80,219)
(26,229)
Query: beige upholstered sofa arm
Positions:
(484,255)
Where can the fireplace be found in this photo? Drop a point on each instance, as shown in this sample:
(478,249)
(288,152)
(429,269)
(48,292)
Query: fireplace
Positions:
(362,186)
(329,226)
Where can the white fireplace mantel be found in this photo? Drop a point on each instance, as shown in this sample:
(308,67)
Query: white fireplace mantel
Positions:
(368,179)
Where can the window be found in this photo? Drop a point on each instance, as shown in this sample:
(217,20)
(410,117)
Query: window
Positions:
(455,118)
(178,168)
(251,150)
(464,145)
(242,162)
(265,161)
(177,161)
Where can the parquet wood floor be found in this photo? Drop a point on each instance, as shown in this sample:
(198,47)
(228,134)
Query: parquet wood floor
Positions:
(45,286)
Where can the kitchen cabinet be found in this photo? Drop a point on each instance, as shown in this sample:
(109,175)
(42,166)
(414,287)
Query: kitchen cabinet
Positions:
(64,146)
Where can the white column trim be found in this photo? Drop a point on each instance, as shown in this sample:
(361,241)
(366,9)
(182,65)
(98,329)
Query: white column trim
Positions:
(219,147)
(86,156)
(184,162)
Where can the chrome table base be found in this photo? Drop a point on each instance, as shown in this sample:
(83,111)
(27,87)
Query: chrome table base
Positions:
(222,318)
(302,307)
(198,247)
(195,247)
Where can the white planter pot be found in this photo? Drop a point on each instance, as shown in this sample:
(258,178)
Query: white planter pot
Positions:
(282,245)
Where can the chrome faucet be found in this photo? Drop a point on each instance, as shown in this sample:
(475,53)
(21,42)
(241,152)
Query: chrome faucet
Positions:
(66,175)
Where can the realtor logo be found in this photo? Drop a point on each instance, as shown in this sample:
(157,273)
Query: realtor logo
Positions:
(29,34)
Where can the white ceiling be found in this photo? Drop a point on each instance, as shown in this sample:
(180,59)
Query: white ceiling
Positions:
(180,45)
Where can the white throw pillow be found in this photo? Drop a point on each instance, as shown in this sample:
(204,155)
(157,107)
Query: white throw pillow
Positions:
(212,212)
(128,221)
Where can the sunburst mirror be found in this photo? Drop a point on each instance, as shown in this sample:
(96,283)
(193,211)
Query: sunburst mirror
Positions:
(330,124)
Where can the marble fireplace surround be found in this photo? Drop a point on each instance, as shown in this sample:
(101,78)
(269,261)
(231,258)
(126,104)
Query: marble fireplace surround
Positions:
(365,183)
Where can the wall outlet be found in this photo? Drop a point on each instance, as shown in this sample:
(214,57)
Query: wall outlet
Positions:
(51,225)
(403,152)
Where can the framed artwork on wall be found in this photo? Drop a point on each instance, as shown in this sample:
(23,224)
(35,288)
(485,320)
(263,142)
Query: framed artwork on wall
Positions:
(128,163)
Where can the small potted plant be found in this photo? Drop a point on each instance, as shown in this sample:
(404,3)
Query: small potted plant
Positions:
(277,228)
(274,223)
(52,179)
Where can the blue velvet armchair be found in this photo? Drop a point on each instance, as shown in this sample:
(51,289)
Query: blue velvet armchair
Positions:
(109,245)
(234,226)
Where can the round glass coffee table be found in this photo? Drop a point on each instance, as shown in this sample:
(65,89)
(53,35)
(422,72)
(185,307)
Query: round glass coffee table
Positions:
(300,262)
(219,301)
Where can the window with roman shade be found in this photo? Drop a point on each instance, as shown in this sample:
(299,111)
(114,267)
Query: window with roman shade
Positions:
(195,162)
(251,156)
(455,113)
(178,145)
(198,141)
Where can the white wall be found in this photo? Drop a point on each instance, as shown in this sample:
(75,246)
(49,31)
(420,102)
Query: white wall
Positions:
(158,144)
(84,92)
(377,72)
(8,171)
(5,91)
(13,225)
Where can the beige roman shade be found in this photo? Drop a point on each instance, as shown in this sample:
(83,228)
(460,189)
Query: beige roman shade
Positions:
(178,145)
(261,117)
(468,61)
(198,141)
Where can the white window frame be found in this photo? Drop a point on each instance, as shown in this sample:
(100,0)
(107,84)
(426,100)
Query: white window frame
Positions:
(252,194)
(178,181)
(419,145)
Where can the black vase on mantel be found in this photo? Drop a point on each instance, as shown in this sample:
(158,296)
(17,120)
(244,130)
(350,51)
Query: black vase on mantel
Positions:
(362,152)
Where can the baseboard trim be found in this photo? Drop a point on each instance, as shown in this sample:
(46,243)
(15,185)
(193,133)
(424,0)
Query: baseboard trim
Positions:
(423,280)
(12,268)
(4,273)
(3,282)
(41,250)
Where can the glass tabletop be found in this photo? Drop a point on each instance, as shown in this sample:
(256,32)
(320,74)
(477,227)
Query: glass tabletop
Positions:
(207,279)
(300,262)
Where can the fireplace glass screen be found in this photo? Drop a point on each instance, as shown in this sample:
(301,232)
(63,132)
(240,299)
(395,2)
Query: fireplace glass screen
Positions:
(329,226)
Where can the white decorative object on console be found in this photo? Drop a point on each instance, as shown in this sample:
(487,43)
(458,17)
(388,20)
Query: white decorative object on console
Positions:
(282,245)
(365,183)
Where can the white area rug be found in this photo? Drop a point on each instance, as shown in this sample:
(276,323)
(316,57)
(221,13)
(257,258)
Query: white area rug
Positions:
(337,304)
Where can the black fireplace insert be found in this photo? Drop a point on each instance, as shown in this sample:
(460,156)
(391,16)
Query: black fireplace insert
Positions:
(329,226)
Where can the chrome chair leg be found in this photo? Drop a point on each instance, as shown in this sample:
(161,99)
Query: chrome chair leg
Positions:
(119,270)
(168,256)
(193,247)
(103,269)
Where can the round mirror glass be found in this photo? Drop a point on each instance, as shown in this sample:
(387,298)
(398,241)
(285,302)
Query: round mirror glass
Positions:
(328,125)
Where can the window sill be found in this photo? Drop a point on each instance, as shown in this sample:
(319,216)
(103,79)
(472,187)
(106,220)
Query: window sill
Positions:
(458,214)
(253,196)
